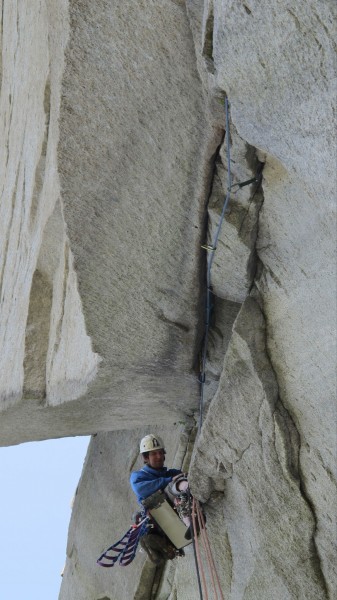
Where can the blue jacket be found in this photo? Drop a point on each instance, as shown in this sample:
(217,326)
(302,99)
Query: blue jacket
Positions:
(147,481)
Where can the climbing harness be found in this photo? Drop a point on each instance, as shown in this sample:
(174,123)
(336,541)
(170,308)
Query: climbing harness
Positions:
(125,549)
(159,514)
(211,248)
(123,552)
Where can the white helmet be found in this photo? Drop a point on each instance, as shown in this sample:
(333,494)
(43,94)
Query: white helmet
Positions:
(151,442)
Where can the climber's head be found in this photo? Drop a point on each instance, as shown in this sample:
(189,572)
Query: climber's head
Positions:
(153,451)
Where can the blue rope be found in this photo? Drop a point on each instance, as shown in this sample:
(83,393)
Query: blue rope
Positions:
(209,268)
(257,179)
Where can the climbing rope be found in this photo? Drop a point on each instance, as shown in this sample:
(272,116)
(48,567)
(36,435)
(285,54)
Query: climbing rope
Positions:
(197,518)
(210,563)
(199,525)
(199,564)
(215,576)
(194,546)
(211,250)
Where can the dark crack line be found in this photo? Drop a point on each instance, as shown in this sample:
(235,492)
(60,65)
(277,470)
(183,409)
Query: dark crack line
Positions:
(258,188)
(311,507)
(303,490)
(203,261)
(191,433)
(255,255)
(161,317)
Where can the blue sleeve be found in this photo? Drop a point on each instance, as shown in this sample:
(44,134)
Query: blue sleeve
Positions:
(173,472)
(143,487)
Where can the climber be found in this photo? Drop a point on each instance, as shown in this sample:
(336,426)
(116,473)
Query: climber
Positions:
(163,526)
(151,478)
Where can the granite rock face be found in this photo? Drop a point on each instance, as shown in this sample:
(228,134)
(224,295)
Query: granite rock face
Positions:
(297,222)
(249,452)
(104,195)
(113,144)
(46,354)
(104,503)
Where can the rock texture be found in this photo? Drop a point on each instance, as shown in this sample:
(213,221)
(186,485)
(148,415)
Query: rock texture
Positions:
(297,288)
(104,194)
(101,515)
(46,354)
(113,143)
(269,521)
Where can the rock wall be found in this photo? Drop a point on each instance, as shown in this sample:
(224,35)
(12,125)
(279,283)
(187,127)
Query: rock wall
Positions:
(288,79)
(106,175)
(46,354)
(249,449)
(101,515)
(113,145)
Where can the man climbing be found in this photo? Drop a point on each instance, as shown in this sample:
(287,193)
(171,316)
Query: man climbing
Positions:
(151,478)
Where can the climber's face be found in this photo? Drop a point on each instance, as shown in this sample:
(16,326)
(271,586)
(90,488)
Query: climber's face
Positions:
(156,459)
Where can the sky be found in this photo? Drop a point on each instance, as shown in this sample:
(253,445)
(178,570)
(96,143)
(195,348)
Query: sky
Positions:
(38,482)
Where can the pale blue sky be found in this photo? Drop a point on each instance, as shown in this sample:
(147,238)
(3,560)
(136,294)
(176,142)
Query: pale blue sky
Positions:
(38,482)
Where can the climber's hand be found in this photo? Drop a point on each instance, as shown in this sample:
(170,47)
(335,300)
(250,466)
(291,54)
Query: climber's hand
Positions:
(179,476)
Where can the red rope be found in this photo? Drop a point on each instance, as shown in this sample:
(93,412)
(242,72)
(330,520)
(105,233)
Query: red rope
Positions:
(197,549)
(210,559)
(207,549)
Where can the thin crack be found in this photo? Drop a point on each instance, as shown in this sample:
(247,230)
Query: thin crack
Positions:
(303,490)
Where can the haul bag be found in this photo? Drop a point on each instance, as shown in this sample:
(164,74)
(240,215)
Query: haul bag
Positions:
(167,519)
